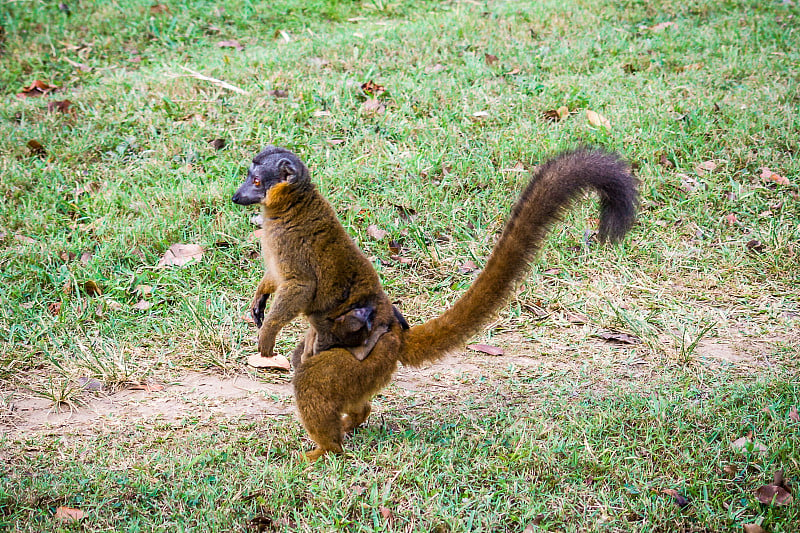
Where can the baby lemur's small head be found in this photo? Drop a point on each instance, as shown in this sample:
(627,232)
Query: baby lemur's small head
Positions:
(272,166)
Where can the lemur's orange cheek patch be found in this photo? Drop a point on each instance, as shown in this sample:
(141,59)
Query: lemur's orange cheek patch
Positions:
(277,193)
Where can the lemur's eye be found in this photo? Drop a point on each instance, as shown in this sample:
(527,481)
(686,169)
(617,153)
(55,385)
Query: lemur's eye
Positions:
(257,182)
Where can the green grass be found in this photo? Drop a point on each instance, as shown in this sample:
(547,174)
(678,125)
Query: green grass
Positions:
(584,437)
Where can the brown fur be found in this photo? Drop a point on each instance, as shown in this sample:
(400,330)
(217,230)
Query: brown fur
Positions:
(315,269)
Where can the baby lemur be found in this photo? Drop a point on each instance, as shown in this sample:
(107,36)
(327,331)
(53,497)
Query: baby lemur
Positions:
(314,268)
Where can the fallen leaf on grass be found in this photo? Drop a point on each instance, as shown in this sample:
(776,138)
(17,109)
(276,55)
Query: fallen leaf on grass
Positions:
(36,148)
(144,290)
(747,444)
(467,267)
(619,338)
(60,106)
(376,233)
(372,89)
(180,255)
(386,513)
(54,308)
(730,219)
(597,120)
(217,144)
(90,384)
(358,490)
(776,493)
(278,362)
(230,44)
(373,106)
(689,184)
(679,500)
(278,93)
(661,26)
(794,416)
(24,239)
(92,288)
(80,66)
(142,305)
(490,59)
(37,88)
(533,525)
(556,115)
(731,470)
(756,246)
(753,528)
(487,349)
(705,166)
(767,174)
(147,387)
(159,9)
(67,513)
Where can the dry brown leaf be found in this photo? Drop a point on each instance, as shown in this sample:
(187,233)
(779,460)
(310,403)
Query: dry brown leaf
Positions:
(731,470)
(372,89)
(753,528)
(61,106)
(747,444)
(794,416)
(619,338)
(376,233)
(731,219)
(277,362)
(230,44)
(705,166)
(67,513)
(91,288)
(597,120)
(755,245)
(180,255)
(114,305)
(159,9)
(490,59)
(679,500)
(386,513)
(776,493)
(85,257)
(147,387)
(766,173)
(36,148)
(373,106)
(24,239)
(37,88)
(217,144)
(144,290)
(513,72)
(142,305)
(278,93)
(395,247)
(90,384)
(467,267)
(661,26)
(487,349)
(54,308)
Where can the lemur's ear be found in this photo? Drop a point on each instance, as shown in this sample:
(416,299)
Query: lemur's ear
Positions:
(287,170)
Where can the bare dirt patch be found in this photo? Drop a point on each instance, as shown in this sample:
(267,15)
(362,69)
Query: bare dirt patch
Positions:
(195,394)
(207,396)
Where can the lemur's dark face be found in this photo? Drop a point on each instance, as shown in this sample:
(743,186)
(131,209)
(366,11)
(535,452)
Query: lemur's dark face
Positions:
(270,167)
